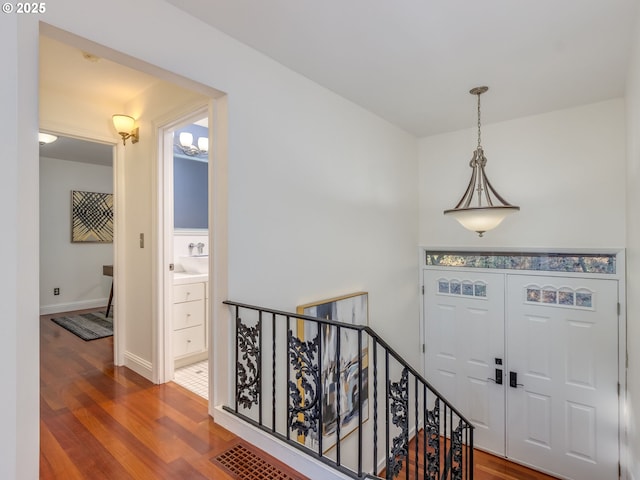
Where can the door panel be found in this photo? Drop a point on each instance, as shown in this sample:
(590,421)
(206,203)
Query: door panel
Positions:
(562,341)
(464,331)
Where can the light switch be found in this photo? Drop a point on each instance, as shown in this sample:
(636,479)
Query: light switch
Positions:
(142,240)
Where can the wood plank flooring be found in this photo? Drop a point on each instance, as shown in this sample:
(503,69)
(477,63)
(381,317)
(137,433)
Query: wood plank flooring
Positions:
(487,466)
(98,422)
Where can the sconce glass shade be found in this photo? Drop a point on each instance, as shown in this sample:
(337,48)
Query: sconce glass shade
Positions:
(186,139)
(203,144)
(123,123)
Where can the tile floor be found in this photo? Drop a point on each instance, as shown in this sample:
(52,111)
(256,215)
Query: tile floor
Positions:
(194,377)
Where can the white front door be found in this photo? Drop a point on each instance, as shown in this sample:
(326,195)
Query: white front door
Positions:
(557,339)
(465,345)
(562,343)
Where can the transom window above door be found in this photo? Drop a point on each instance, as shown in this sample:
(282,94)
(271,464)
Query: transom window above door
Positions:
(548,262)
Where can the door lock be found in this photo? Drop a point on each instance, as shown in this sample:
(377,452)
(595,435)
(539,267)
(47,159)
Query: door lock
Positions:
(498,377)
(513,380)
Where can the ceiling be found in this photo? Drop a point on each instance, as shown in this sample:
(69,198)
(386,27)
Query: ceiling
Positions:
(413,62)
(65,69)
(75,150)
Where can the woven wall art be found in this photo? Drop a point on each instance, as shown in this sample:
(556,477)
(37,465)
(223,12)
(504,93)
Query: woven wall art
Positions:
(91,217)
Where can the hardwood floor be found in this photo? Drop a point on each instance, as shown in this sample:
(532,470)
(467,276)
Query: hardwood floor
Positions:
(98,421)
(487,466)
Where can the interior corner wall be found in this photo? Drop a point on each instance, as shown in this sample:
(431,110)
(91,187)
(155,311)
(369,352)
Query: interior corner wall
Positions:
(19,342)
(75,268)
(633,259)
(565,169)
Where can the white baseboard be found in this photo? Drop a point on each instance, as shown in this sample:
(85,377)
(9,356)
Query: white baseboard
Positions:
(139,365)
(72,306)
(307,466)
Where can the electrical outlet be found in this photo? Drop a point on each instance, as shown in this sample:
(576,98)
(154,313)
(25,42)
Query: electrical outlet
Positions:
(56,291)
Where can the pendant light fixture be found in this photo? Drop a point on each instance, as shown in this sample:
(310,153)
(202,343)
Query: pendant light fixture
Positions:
(481,208)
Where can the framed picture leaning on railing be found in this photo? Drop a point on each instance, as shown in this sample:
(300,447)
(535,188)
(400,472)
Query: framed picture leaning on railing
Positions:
(339,372)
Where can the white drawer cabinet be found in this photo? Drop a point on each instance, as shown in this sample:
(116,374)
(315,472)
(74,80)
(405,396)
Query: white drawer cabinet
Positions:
(188,292)
(189,323)
(188,341)
(188,314)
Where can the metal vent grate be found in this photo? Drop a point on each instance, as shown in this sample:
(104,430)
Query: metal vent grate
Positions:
(249,466)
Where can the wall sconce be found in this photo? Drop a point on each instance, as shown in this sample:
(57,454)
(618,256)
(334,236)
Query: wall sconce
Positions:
(124,125)
(185,144)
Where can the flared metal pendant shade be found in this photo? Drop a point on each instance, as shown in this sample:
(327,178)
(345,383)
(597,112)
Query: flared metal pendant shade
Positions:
(481,208)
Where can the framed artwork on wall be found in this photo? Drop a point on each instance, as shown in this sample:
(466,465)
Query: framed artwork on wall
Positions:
(339,375)
(91,217)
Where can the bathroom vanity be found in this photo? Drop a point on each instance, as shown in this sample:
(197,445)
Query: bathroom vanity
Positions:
(190,318)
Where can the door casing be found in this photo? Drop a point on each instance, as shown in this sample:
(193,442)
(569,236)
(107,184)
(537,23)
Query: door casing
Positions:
(619,275)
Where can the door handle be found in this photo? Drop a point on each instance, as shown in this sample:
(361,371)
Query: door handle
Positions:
(498,377)
(513,380)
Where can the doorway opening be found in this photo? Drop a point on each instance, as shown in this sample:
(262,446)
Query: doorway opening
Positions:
(531,348)
(76,217)
(81,103)
(184,167)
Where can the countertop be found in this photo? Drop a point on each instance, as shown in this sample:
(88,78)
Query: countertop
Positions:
(181,278)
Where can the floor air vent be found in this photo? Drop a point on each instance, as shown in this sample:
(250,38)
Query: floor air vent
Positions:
(244,463)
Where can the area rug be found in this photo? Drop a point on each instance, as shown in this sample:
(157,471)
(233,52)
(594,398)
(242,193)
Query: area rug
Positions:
(87,326)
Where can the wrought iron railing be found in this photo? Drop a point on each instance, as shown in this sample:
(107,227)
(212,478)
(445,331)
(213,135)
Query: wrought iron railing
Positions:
(341,394)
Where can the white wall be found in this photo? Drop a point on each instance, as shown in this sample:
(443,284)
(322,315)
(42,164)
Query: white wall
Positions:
(75,268)
(564,169)
(633,257)
(19,345)
(322,193)
(181,241)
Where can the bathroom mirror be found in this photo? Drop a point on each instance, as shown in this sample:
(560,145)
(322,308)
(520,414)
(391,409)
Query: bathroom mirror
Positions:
(190,178)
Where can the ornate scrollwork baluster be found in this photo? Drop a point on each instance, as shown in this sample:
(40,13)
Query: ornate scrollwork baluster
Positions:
(433,441)
(304,404)
(456,448)
(248,365)
(399,396)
